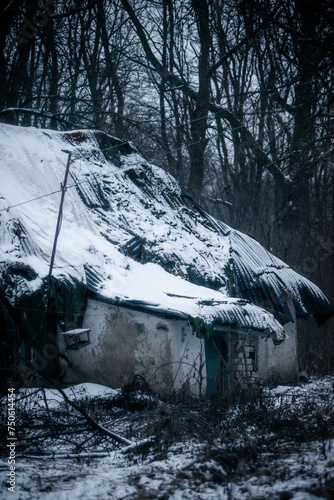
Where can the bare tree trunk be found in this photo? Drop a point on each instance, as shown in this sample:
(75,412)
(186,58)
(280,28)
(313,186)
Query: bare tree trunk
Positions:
(114,81)
(53,86)
(199,114)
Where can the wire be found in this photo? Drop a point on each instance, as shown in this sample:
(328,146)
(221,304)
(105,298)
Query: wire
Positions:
(29,201)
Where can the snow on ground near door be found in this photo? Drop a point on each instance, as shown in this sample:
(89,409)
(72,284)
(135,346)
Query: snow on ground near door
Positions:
(278,465)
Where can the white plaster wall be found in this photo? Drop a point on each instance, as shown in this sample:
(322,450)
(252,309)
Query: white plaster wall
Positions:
(280,360)
(188,355)
(126,342)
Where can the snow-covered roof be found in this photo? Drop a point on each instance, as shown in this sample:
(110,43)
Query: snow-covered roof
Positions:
(266,280)
(128,232)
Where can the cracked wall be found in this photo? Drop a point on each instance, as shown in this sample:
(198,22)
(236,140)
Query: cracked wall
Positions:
(126,342)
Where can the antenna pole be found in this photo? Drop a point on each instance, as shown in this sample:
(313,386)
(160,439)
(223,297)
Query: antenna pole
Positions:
(60,215)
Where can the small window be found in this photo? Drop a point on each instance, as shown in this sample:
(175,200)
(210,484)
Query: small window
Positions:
(76,339)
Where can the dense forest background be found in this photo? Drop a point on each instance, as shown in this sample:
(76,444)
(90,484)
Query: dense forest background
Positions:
(234,98)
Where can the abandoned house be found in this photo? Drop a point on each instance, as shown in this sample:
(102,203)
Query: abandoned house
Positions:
(144,281)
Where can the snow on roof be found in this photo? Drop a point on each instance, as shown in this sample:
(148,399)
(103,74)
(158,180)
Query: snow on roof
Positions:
(125,224)
(149,287)
(263,278)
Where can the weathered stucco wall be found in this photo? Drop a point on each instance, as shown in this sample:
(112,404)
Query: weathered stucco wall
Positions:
(281,360)
(126,342)
(170,357)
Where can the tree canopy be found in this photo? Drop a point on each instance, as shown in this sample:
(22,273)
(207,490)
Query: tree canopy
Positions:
(233,98)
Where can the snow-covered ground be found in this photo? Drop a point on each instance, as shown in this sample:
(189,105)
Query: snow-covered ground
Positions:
(265,444)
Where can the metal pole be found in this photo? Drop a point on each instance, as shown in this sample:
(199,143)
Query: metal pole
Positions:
(60,213)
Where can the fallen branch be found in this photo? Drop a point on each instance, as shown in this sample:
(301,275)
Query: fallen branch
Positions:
(95,425)
(65,455)
(131,446)
(139,444)
(102,454)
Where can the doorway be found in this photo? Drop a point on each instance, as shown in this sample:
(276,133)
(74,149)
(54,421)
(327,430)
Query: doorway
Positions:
(216,354)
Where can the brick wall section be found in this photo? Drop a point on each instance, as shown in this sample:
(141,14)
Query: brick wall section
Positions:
(243,358)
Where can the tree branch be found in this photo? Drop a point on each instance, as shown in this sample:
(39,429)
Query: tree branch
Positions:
(219,111)
(130,445)
(243,42)
(95,425)
(37,112)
